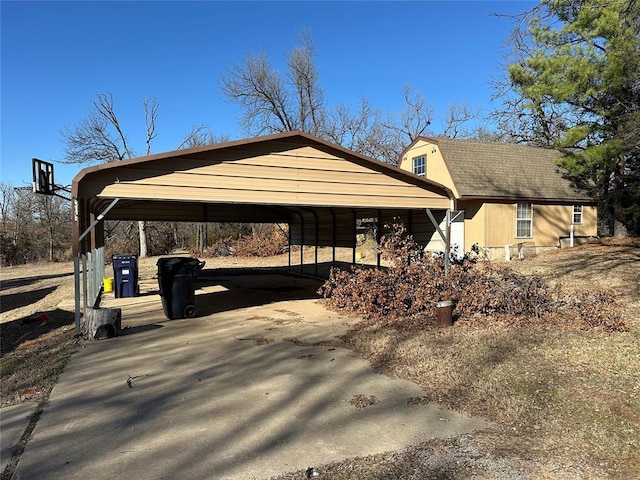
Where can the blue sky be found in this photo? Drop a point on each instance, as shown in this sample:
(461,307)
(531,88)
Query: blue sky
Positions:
(56,56)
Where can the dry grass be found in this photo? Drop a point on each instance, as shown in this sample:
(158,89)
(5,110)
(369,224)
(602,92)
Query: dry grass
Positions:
(33,355)
(29,372)
(565,403)
(569,395)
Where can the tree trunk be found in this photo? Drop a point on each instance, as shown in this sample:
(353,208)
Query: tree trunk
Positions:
(619,229)
(142,232)
(202,239)
(619,218)
(103,323)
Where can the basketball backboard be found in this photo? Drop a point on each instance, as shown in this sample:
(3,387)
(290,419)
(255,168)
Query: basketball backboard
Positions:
(43,177)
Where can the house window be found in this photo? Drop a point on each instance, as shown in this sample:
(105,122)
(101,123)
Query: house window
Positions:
(524,220)
(577,215)
(420,166)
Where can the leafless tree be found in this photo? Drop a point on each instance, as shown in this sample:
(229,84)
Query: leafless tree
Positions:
(456,121)
(415,118)
(100,138)
(304,78)
(271,103)
(33,226)
(539,121)
(6,195)
(52,216)
(348,127)
(199,136)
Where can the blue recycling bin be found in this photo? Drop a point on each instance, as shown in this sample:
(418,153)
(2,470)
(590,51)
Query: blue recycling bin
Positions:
(125,275)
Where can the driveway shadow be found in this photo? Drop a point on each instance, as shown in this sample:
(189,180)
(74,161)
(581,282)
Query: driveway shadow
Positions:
(11,301)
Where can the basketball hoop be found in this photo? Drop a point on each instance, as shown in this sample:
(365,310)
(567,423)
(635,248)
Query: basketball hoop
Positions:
(43,180)
(43,177)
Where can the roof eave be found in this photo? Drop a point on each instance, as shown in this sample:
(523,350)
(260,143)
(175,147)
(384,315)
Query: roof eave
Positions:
(582,200)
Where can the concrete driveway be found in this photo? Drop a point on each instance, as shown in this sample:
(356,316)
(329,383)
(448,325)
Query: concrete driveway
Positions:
(252,387)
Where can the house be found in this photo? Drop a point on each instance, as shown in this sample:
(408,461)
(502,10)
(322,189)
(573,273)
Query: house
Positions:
(507,197)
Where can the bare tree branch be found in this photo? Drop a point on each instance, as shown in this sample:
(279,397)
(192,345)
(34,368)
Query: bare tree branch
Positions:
(260,91)
(199,136)
(459,115)
(104,107)
(150,114)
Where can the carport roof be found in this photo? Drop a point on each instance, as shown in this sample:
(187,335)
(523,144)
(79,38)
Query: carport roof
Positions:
(262,179)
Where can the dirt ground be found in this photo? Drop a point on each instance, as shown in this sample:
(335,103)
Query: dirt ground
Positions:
(31,290)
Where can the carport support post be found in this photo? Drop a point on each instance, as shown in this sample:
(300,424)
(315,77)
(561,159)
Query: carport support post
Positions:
(317,232)
(76,284)
(379,237)
(78,221)
(333,237)
(289,234)
(84,286)
(355,237)
(301,245)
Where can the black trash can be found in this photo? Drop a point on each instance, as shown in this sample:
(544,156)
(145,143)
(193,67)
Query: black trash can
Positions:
(177,283)
(125,275)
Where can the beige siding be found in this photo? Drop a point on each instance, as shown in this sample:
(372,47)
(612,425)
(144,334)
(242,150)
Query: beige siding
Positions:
(553,221)
(550,222)
(589,225)
(436,169)
(474,223)
(302,176)
(500,224)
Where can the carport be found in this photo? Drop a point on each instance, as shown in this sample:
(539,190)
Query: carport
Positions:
(319,189)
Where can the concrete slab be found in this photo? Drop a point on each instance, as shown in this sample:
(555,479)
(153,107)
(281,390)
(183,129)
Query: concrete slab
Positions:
(14,420)
(251,388)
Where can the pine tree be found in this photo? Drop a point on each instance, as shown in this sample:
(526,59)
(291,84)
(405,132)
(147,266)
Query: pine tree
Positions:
(577,83)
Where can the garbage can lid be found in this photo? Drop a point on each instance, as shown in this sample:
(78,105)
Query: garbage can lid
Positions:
(444,303)
(124,256)
(175,264)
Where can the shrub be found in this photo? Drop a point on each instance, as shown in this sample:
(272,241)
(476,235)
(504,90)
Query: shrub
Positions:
(264,243)
(406,293)
(221,248)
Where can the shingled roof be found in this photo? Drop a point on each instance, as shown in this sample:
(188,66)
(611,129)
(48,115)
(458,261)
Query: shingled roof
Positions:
(506,170)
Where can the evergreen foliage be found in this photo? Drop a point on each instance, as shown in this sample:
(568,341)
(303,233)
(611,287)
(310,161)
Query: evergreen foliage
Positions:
(577,82)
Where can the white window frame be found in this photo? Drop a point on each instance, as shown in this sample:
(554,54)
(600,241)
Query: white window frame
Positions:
(523,220)
(578,212)
(414,166)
